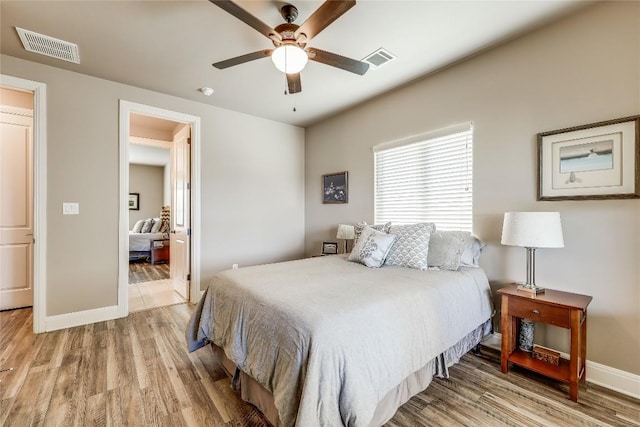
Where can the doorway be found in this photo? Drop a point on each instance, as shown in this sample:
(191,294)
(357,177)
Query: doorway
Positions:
(16,207)
(38,272)
(152,171)
(160,167)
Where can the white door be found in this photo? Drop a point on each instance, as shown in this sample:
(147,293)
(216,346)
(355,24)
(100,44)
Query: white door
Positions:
(16,211)
(180,211)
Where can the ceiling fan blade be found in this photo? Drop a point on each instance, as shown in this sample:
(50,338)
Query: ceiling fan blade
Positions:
(322,17)
(242,59)
(235,10)
(338,61)
(293,81)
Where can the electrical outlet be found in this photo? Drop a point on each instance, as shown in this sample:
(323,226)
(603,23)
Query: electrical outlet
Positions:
(234,266)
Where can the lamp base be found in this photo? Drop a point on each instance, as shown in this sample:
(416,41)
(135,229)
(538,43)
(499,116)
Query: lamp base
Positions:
(535,290)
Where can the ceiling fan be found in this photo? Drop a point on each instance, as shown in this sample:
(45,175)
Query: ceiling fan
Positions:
(291,54)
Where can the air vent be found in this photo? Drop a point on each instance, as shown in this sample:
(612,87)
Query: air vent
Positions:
(45,45)
(379,58)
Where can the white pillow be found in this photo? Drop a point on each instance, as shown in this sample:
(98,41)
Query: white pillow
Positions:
(361,225)
(411,248)
(372,247)
(137,228)
(448,250)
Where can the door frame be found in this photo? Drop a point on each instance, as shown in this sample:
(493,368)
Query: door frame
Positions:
(126,108)
(39,194)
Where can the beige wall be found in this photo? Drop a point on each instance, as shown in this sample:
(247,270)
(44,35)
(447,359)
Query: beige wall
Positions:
(148,181)
(243,159)
(583,69)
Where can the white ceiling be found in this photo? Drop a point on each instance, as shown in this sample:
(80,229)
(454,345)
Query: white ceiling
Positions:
(169,46)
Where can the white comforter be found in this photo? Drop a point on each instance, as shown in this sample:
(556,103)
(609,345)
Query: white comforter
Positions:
(329,338)
(141,242)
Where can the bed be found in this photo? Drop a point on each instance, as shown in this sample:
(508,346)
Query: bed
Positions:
(140,244)
(327,342)
(146,231)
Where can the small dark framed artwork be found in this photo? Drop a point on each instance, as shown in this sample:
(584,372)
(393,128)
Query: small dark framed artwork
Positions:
(329,248)
(134,201)
(335,188)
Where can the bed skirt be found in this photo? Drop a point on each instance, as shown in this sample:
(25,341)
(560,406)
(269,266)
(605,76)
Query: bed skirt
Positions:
(251,391)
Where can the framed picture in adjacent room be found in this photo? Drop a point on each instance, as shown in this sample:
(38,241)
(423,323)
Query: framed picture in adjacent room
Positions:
(329,248)
(134,201)
(335,188)
(595,161)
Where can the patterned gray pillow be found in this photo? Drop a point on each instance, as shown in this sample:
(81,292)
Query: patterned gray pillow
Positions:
(157,224)
(361,225)
(164,228)
(446,249)
(411,248)
(147,225)
(372,247)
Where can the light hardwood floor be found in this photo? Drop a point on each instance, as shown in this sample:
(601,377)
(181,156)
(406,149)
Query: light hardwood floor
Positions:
(157,293)
(136,371)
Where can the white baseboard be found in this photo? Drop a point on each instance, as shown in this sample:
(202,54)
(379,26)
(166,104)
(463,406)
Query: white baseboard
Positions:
(597,373)
(78,318)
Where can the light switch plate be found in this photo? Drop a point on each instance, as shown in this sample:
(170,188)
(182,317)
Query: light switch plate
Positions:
(70,208)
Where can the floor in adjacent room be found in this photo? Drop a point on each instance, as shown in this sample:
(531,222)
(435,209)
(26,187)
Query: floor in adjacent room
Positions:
(150,286)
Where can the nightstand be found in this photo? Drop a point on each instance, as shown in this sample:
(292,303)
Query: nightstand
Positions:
(558,308)
(160,251)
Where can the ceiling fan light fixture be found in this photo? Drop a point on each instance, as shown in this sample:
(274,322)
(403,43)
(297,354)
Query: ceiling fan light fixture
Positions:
(289,58)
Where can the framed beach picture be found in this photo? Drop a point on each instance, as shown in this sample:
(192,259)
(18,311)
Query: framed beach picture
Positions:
(595,161)
(335,188)
(134,201)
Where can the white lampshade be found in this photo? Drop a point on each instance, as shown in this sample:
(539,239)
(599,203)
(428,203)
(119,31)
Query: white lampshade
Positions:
(346,232)
(289,58)
(532,230)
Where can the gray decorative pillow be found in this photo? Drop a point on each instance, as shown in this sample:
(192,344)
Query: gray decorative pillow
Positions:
(156,225)
(446,249)
(471,252)
(137,228)
(147,225)
(411,248)
(361,225)
(372,247)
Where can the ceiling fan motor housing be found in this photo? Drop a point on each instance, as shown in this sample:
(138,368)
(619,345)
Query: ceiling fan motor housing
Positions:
(289,12)
(287,32)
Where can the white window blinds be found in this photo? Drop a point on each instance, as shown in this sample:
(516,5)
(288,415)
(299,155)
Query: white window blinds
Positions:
(426,178)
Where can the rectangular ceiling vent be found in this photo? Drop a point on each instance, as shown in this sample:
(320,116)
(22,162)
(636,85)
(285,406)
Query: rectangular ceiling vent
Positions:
(379,58)
(45,45)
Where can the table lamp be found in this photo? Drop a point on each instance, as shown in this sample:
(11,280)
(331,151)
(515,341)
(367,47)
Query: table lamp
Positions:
(532,230)
(346,232)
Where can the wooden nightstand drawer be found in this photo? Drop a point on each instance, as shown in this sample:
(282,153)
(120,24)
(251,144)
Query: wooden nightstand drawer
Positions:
(534,310)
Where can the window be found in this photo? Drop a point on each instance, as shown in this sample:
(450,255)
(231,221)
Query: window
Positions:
(426,178)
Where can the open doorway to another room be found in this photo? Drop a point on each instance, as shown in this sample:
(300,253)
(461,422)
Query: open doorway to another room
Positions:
(17,198)
(151,196)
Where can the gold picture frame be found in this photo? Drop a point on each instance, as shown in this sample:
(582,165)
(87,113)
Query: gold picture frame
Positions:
(590,162)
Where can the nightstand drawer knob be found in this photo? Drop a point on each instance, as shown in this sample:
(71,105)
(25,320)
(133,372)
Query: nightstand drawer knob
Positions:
(536,311)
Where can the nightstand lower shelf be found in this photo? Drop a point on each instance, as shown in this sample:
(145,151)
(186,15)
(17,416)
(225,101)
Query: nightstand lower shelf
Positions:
(559,372)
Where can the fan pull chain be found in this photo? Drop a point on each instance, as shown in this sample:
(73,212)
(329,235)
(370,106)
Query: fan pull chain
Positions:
(286,92)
